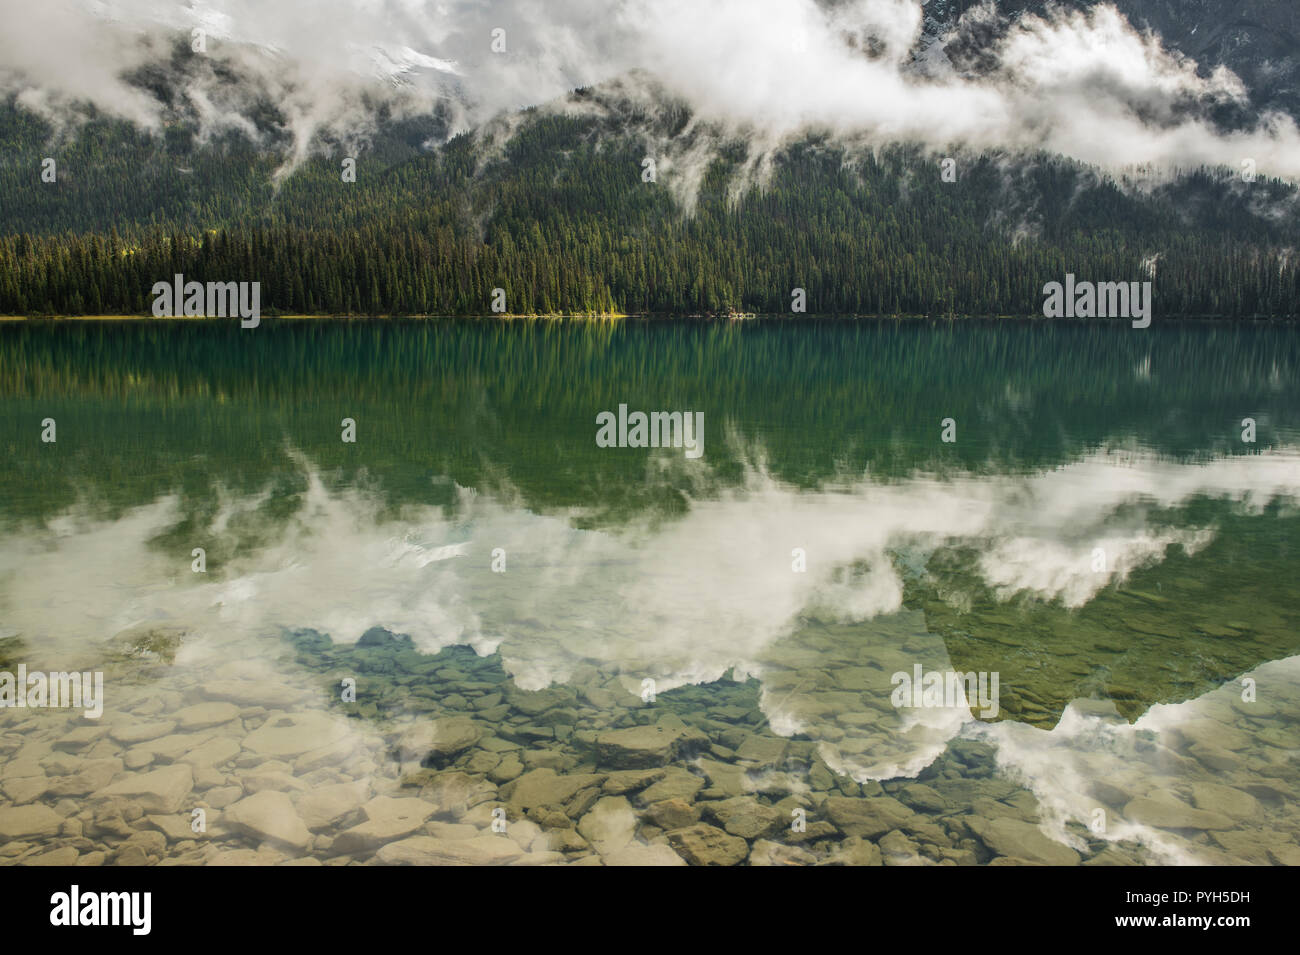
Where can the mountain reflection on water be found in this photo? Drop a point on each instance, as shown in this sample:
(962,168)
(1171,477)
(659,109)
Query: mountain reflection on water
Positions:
(641,657)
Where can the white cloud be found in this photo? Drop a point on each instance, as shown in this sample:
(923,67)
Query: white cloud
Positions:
(1087,86)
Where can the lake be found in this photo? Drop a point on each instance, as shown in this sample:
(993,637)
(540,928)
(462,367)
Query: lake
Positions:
(374,591)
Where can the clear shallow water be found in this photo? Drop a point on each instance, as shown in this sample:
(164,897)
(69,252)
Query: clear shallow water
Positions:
(1098,536)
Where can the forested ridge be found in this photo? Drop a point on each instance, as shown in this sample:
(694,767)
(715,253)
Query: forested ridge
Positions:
(558,216)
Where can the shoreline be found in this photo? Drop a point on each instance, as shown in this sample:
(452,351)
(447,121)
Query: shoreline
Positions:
(656,316)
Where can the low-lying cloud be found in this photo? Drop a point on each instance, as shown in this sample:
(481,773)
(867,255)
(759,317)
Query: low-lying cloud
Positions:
(1083,84)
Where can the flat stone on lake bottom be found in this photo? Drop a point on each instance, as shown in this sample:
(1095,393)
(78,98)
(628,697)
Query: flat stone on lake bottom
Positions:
(703,844)
(162,791)
(269,815)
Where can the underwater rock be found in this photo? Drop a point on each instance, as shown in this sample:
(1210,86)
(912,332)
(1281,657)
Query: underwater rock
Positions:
(869,818)
(703,844)
(269,815)
(639,747)
(1021,840)
(438,740)
(745,816)
(162,790)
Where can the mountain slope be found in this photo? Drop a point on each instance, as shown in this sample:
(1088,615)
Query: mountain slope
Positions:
(557,214)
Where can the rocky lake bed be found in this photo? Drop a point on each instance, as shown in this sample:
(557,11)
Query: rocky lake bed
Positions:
(443,760)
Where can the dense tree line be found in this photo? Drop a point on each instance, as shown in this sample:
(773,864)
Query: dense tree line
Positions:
(558,215)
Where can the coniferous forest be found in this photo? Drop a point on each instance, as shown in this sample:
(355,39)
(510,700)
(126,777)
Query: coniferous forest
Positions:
(558,216)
